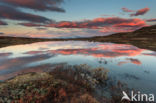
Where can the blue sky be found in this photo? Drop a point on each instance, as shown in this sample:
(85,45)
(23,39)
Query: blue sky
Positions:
(76,11)
(89,9)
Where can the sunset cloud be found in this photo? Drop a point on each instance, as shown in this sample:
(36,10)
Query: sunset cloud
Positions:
(10,9)
(127,10)
(140,12)
(30,24)
(41,28)
(103,24)
(7,12)
(151,20)
(41,17)
(1,33)
(3,23)
(40,5)
(113,24)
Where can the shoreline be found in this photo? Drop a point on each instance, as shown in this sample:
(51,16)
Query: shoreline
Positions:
(140,38)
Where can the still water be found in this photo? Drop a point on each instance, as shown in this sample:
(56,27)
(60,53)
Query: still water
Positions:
(132,65)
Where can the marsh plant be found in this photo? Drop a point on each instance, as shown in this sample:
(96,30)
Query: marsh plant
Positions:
(64,84)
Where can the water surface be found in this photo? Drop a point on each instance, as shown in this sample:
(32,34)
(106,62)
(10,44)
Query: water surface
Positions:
(127,63)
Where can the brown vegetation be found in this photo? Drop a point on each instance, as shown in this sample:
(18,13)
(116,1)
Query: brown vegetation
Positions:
(64,84)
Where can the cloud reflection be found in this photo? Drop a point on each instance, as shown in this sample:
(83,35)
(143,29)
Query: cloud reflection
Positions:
(13,64)
(105,50)
(130,60)
(37,57)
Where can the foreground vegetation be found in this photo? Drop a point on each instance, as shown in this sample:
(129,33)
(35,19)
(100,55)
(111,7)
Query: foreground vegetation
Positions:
(66,84)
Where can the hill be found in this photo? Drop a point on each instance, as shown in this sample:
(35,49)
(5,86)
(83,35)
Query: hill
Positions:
(142,38)
(7,41)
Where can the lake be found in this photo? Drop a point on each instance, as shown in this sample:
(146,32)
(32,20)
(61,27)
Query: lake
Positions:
(132,65)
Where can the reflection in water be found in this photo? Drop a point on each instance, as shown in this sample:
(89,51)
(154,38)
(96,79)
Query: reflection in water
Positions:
(130,60)
(5,54)
(150,54)
(107,50)
(127,63)
(39,68)
(130,76)
(18,63)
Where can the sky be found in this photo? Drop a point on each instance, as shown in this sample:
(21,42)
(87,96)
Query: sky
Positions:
(74,18)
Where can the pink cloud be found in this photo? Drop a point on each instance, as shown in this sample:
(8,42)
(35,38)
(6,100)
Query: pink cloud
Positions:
(151,20)
(127,10)
(110,24)
(41,5)
(3,23)
(140,12)
(8,12)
